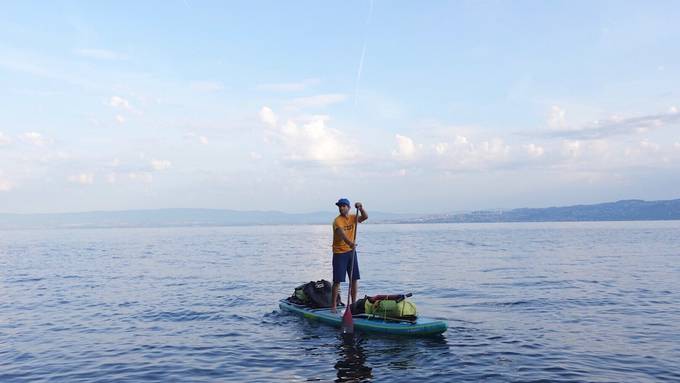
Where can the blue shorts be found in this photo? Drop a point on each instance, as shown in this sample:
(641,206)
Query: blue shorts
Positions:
(341,265)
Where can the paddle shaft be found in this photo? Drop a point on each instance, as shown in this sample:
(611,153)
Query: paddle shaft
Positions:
(347,321)
(354,255)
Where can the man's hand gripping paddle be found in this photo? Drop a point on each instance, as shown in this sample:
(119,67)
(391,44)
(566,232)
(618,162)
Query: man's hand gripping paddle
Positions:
(347,321)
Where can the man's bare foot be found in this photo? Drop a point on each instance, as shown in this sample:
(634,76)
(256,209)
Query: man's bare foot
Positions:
(334,310)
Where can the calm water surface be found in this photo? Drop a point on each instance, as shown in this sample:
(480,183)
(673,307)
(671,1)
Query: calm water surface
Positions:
(525,302)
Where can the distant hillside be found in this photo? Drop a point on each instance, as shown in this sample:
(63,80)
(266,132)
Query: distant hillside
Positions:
(630,210)
(627,210)
(176,217)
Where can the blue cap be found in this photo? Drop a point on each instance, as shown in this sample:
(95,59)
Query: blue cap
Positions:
(342,201)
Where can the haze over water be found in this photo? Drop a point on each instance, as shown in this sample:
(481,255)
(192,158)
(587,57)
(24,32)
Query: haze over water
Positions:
(524,302)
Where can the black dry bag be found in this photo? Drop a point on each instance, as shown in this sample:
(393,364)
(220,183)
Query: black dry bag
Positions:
(319,294)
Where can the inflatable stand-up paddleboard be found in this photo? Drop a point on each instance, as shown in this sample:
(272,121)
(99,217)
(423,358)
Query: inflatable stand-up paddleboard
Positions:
(369,323)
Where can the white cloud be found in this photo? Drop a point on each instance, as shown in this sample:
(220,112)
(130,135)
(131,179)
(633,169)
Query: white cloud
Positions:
(318,101)
(307,139)
(673,110)
(677,145)
(534,150)
(314,141)
(160,164)
(34,138)
(207,86)
(465,152)
(556,118)
(406,148)
(457,154)
(203,140)
(255,156)
(100,54)
(82,178)
(120,119)
(119,102)
(268,116)
(4,140)
(112,178)
(290,86)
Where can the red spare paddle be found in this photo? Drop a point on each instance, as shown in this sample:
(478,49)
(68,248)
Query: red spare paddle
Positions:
(347,321)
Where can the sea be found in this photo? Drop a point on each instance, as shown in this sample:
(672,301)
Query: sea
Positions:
(524,302)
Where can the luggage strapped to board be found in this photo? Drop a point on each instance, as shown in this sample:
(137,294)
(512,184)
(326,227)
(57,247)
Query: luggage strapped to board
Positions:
(386,306)
(314,294)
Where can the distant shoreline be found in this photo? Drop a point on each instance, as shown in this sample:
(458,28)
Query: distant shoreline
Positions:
(37,228)
(626,210)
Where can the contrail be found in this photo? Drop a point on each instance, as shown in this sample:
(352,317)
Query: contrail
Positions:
(363,54)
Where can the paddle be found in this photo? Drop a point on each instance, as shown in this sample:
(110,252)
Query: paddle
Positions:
(347,321)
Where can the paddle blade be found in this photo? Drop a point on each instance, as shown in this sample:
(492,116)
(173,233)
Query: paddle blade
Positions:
(347,322)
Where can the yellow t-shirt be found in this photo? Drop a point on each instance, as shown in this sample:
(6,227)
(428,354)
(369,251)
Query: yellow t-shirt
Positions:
(348,225)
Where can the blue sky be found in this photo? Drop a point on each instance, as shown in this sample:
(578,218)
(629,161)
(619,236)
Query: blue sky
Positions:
(407,106)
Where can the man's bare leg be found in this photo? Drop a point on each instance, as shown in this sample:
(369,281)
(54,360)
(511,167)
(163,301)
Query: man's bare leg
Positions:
(355,285)
(334,301)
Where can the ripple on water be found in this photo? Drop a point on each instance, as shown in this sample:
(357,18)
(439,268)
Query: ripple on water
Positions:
(179,316)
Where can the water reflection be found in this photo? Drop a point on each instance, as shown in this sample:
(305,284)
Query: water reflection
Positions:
(351,364)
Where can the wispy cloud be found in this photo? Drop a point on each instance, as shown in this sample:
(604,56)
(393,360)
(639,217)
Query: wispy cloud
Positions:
(100,54)
(315,102)
(44,67)
(287,87)
(617,126)
(207,86)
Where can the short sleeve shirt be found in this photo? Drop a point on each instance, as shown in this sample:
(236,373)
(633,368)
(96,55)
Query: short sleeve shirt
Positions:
(348,225)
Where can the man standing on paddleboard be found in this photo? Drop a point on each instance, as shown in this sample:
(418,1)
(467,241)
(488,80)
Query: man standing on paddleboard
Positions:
(344,254)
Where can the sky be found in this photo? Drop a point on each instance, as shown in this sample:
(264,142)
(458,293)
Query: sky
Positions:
(419,107)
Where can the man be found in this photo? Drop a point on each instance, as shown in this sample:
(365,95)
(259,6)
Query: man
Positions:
(344,254)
